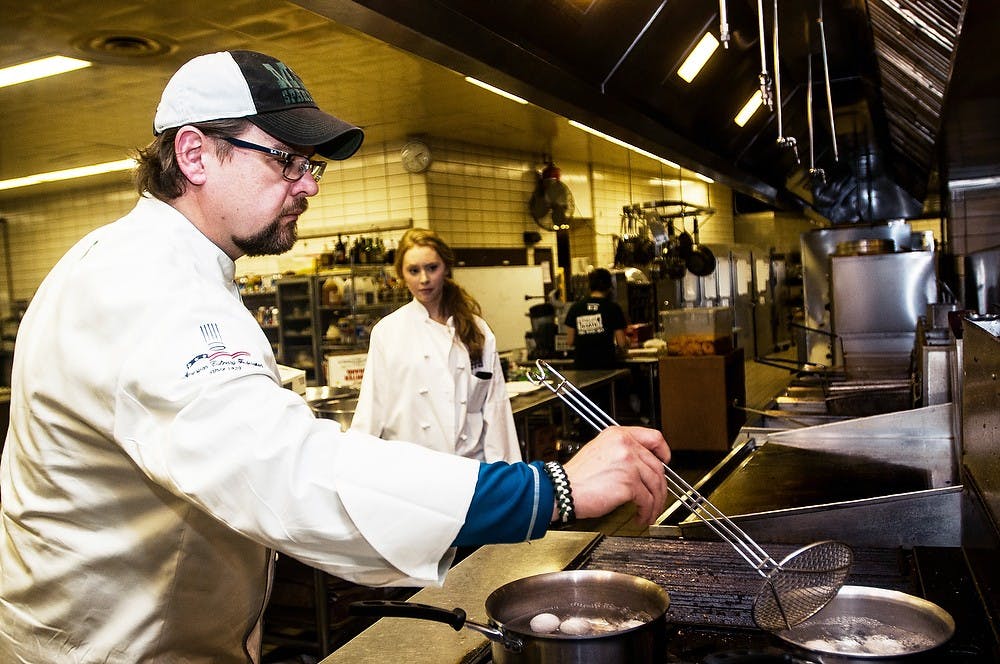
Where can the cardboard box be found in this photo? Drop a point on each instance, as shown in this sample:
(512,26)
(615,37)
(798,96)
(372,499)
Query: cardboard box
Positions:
(292,378)
(345,370)
(701,400)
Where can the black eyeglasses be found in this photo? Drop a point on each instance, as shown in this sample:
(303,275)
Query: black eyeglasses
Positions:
(296,165)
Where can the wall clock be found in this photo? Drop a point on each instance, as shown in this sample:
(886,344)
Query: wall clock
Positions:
(416,156)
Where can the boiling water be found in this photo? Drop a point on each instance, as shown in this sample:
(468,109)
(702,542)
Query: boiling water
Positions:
(858,635)
(580,621)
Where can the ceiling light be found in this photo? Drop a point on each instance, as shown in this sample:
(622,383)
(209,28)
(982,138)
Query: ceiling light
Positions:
(698,57)
(988,182)
(749,109)
(29,71)
(68,174)
(704,178)
(497,91)
(623,144)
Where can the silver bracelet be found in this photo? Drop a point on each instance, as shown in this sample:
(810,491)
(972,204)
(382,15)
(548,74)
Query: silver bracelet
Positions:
(563,491)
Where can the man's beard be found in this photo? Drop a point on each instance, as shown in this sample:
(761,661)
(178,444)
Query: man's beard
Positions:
(276,238)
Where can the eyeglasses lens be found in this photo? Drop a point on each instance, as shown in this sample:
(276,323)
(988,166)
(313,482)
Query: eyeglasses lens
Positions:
(296,166)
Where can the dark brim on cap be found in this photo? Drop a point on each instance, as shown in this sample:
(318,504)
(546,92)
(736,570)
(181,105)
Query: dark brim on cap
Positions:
(308,126)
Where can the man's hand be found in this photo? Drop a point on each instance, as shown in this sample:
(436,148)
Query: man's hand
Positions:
(621,464)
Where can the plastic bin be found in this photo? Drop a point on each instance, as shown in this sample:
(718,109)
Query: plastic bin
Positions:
(697,331)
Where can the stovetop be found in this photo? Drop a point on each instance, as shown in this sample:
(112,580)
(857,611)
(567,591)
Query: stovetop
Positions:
(712,590)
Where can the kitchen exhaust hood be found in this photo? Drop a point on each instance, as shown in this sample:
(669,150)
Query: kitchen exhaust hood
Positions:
(613,66)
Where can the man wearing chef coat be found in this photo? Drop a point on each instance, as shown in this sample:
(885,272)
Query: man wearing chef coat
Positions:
(154,465)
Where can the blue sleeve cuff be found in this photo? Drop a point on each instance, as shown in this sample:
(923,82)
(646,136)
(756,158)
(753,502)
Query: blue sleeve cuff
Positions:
(512,503)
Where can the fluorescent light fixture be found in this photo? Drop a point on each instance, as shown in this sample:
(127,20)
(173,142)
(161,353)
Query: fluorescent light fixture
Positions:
(496,91)
(68,174)
(699,56)
(29,71)
(988,182)
(612,139)
(671,182)
(749,108)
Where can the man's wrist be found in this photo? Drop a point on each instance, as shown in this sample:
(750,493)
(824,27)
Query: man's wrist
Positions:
(564,510)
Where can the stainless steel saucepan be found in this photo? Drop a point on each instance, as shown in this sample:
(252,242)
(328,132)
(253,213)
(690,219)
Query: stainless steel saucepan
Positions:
(863,623)
(571,617)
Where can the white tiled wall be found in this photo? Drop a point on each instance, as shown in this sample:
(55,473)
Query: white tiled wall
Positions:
(42,228)
(474,196)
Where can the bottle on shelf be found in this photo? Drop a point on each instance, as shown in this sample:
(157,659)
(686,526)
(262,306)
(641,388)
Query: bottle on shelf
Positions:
(326,257)
(377,251)
(358,251)
(340,251)
(390,251)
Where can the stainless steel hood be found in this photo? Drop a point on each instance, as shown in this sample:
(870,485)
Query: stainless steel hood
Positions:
(613,66)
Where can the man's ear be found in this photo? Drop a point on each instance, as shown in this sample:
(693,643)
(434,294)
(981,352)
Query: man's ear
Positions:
(189,146)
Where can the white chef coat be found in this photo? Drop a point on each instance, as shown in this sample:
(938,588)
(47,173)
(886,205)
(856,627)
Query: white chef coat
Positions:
(420,385)
(153,462)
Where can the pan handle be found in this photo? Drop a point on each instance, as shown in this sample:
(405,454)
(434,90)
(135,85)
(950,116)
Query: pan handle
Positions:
(456,618)
(394,609)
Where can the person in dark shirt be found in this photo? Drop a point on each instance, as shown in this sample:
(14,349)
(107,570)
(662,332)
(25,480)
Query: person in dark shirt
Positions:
(595,326)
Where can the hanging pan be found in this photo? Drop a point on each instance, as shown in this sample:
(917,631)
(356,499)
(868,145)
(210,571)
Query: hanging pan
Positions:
(701,261)
(672,256)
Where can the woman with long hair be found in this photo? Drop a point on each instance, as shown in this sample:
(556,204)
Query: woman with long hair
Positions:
(433,374)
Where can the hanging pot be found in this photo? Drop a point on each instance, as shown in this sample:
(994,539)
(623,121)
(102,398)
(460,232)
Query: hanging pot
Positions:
(596,616)
(685,244)
(641,247)
(673,263)
(701,261)
(645,251)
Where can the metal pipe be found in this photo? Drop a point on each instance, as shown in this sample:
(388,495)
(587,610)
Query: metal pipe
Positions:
(723,24)
(783,141)
(809,111)
(817,173)
(826,76)
(631,46)
(763,77)
(777,73)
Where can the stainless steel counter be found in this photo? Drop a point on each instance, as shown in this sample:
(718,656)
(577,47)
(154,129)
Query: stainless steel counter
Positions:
(583,379)
(467,586)
(526,406)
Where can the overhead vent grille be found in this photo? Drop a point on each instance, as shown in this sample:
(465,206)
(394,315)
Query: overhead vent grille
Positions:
(915,43)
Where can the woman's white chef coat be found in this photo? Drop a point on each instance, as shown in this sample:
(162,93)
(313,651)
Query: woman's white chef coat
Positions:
(154,462)
(420,385)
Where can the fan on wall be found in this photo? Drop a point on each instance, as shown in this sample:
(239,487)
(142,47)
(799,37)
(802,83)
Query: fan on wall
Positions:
(551,203)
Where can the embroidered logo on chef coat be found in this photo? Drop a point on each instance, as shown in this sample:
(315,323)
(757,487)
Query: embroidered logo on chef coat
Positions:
(218,357)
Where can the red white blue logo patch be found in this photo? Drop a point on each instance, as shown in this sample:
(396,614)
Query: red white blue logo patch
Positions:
(217,357)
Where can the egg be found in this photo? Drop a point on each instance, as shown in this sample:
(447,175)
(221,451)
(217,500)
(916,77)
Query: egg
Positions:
(545,623)
(575,626)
